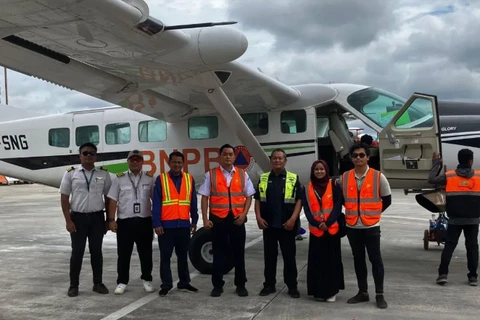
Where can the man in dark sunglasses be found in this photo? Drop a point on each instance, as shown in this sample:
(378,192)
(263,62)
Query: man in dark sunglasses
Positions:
(84,215)
(367,194)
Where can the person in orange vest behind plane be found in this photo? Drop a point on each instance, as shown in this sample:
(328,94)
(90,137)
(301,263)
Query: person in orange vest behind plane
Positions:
(174,204)
(228,191)
(367,194)
(322,205)
(462,190)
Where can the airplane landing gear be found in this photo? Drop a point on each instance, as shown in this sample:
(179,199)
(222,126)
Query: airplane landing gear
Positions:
(201,253)
(436,231)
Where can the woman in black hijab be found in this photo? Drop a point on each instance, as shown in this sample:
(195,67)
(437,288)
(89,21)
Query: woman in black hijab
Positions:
(322,204)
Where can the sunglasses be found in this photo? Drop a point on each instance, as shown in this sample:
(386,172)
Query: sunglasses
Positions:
(87,153)
(358,155)
(135,159)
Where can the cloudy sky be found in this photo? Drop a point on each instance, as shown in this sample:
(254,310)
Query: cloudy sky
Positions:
(398,45)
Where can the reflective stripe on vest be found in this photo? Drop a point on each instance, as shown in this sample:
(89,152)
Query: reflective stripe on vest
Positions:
(366,203)
(222,198)
(461,186)
(175,205)
(290,183)
(321,211)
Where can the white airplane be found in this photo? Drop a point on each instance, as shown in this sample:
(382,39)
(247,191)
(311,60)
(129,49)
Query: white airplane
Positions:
(179,87)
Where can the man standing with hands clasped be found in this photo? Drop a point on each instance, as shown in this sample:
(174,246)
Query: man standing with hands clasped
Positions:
(230,191)
(131,192)
(277,207)
(174,203)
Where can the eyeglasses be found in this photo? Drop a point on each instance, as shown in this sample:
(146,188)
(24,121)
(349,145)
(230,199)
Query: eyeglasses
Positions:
(87,153)
(358,155)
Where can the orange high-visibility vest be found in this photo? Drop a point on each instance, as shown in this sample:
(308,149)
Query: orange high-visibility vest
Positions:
(223,198)
(365,203)
(322,211)
(461,186)
(176,205)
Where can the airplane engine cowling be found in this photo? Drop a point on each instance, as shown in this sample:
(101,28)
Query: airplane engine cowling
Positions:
(221,45)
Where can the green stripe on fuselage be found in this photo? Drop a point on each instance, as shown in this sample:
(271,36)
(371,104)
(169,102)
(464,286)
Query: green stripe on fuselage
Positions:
(116,167)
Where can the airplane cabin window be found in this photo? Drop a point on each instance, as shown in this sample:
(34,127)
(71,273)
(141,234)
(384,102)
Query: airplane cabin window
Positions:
(257,122)
(152,131)
(87,134)
(418,115)
(118,133)
(203,128)
(59,137)
(378,105)
(294,121)
(323,126)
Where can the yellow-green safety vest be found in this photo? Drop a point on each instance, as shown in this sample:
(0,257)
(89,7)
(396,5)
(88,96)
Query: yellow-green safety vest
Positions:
(290,182)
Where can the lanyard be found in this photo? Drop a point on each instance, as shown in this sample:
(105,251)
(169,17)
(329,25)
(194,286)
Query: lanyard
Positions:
(88,181)
(135,186)
(322,216)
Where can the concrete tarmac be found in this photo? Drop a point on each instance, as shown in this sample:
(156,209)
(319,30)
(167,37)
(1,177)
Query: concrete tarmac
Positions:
(35,252)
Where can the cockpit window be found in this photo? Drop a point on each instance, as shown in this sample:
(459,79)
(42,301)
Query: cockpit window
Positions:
(378,105)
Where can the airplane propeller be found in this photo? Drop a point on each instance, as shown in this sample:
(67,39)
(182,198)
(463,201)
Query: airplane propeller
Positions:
(198,25)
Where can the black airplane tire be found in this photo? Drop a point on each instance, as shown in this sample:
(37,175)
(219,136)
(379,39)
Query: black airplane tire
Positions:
(201,254)
(426,239)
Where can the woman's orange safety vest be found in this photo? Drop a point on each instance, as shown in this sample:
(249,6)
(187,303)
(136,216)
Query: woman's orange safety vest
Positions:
(223,198)
(322,211)
(365,203)
(175,205)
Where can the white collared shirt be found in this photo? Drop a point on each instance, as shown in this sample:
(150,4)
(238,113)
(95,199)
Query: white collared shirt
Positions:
(248,190)
(123,192)
(84,198)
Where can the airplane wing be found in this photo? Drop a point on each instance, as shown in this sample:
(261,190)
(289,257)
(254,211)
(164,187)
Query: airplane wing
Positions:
(113,50)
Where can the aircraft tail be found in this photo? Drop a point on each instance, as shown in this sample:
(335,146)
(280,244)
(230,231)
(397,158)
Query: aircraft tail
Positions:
(9,113)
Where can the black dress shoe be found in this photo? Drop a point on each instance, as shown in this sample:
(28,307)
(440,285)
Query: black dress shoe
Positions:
(73,291)
(242,291)
(216,292)
(360,297)
(100,288)
(381,303)
(267,290)
(294,293)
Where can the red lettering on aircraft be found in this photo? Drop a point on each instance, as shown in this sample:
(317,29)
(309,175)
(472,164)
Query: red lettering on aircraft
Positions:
(156,162)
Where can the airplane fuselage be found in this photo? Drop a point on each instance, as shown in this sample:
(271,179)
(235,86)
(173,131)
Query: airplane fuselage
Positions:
(40,149)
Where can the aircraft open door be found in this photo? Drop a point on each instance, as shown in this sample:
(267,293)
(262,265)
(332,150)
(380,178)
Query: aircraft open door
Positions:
(408,142)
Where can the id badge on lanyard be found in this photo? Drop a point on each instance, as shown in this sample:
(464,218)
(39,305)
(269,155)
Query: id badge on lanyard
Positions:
(136,205)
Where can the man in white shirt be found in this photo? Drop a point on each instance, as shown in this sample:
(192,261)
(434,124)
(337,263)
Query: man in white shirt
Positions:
(130,193)
(227,192)
(84,215)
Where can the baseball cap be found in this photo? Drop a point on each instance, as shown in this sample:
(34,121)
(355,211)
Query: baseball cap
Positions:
(133,153)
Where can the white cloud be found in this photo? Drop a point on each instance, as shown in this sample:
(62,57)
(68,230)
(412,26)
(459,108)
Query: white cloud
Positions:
(401,46)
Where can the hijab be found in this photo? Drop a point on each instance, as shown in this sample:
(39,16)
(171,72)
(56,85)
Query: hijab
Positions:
(320,185)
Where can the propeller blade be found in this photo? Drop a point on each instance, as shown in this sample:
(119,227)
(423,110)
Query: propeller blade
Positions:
(198,25)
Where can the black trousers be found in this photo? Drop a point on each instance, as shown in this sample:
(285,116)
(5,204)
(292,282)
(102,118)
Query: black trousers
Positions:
(370,239)
(273,237)
(225,232)
(138,231)
(89,226)
(471,244)
(179,239)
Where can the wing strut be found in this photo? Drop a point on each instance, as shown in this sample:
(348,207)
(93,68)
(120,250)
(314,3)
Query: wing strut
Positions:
(227,110)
